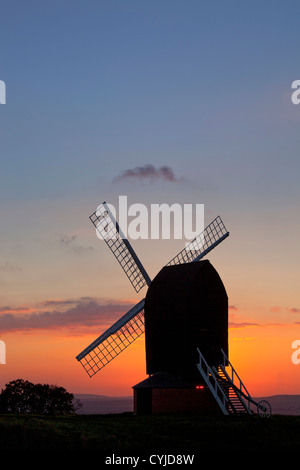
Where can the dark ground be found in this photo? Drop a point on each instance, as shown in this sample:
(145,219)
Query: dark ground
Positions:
(130,435)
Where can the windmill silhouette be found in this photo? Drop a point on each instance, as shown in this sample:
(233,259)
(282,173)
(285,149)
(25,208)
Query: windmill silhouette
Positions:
(184,316)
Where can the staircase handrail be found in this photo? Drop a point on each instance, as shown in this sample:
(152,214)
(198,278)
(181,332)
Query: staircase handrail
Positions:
(263,407)
(216,388)
(239,393)
(234,375)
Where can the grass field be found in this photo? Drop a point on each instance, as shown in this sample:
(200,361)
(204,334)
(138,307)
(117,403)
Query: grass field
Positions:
(126,434)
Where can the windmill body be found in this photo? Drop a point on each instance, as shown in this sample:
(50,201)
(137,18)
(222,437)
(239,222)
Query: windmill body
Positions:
(184,316)
(186,308)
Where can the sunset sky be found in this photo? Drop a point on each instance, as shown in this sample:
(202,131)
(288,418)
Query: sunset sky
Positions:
(96,88)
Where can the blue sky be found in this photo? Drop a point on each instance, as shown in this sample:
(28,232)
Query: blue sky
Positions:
(94,87)
(98,87)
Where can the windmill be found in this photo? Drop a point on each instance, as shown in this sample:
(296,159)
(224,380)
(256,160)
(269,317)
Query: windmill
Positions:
(184,316)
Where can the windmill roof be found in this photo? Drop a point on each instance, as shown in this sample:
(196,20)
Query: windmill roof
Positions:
(164,380)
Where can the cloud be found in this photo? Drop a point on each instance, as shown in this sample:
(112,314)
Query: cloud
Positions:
(148,173)
(85,312)
(278,309)
(69,241)
(235,325)
(10,268)
(275,309)
(78,316)
(51,303)
(7,309)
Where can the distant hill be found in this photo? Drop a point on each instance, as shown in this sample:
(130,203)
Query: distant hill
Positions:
(102,404)
(283,404)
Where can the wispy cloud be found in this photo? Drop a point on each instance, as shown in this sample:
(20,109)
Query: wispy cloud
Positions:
(294,310)
(241,324)
(7,309)
(278,309)
(83,314)
(275,309)
(57,302)
(79,314)
(237,325)
(70,242)
(67,239)
(148,173)
(10,268)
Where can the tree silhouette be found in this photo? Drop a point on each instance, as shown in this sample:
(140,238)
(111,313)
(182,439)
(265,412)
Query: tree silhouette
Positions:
(22,396)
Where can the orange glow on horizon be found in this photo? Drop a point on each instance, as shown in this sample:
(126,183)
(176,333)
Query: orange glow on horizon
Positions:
(261,356)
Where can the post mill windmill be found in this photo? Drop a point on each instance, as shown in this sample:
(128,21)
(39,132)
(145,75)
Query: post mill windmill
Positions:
(184,316)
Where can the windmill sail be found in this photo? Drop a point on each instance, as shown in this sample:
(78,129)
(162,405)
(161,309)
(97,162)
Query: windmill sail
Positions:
(129,327)
(114,340)
(109,230)
(206,241)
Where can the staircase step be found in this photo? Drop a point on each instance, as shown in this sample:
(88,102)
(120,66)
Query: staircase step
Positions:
(217,375)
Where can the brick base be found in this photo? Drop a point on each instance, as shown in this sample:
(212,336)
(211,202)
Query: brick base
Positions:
(174,400)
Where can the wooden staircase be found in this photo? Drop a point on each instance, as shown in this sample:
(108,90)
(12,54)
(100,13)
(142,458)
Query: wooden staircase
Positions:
(228,389)
(235,402)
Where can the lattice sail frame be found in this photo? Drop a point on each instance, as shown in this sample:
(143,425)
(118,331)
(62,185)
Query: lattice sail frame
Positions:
(129,327)
(109,230)
(206,241)
(111,343)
